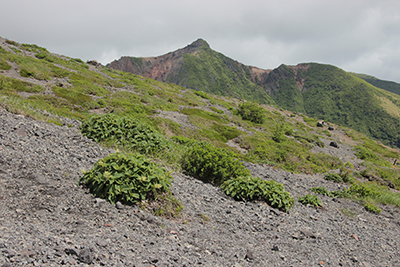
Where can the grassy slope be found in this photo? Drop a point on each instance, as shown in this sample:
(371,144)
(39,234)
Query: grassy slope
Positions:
(284,90)
(386,85)
(329,93)
(75,89)
(332,94)
(337,96)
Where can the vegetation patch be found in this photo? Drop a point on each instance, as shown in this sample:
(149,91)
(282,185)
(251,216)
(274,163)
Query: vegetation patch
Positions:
(129,178)
(124,131)
(252,112)
(11,84)
(321,191)
(310,200)
(344,176)
(292,156)
(203,114)
(254,188)
(211,164)
(4,65)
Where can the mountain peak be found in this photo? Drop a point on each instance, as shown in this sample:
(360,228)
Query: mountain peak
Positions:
(199,43)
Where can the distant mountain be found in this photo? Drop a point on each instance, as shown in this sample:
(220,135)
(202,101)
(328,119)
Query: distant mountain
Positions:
(317,90)
(198,67)
(329,93)
(386,85)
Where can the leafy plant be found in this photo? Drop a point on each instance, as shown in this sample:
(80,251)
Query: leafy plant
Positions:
(278,134)
(344,176)
(125,131)
(212,164)
(254,188)
(372,208)
(321,191)
(362,190)
(333,177)
(252,112)
(128,178)
(310,200)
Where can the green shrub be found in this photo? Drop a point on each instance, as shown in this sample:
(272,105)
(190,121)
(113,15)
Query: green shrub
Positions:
(321,191)
(365,154)
(333,177)
(217,110)
(278,134)
(26,73)
(212,164)
(127,178)
(254,188)
(124,131)
(362,190)
(310,200)
(252,112)
(372,208)
(184,140)
(4,65)
(202,94)
(12,42)
(33,47)
(344,176)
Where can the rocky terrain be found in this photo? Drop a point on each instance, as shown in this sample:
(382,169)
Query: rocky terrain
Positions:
(47,219)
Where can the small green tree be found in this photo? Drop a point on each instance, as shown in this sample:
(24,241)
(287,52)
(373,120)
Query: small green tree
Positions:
(252,112)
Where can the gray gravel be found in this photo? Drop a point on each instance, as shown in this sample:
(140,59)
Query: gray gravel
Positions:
(46,219)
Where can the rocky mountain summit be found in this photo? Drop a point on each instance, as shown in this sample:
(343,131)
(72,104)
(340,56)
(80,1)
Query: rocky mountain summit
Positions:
(47,219)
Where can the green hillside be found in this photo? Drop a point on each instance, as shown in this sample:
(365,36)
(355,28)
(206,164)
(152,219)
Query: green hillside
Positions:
(202,134)
(386,85)
(334,95)
(282,87)
(317,90)
(212,72)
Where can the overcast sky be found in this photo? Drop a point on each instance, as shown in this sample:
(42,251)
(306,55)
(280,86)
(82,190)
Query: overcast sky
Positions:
(356,35)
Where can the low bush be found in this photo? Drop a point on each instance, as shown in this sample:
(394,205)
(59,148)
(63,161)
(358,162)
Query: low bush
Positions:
(124,131)
(310,200)
(184,140)
(344,176)
(333,177)
(212,164)
(217,110)
(202,94)
(363,190)
(128,178)
(26,73)
(254,188)
(252,112)
(321,191)
(372,208)
(4,65)
(368,155)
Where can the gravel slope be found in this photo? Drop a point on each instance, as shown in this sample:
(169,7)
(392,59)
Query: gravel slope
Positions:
(46,219)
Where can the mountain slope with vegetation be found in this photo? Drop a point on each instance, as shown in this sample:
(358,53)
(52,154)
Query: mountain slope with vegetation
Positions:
(317,90)
(198,67)
(176,163)
(386,85)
